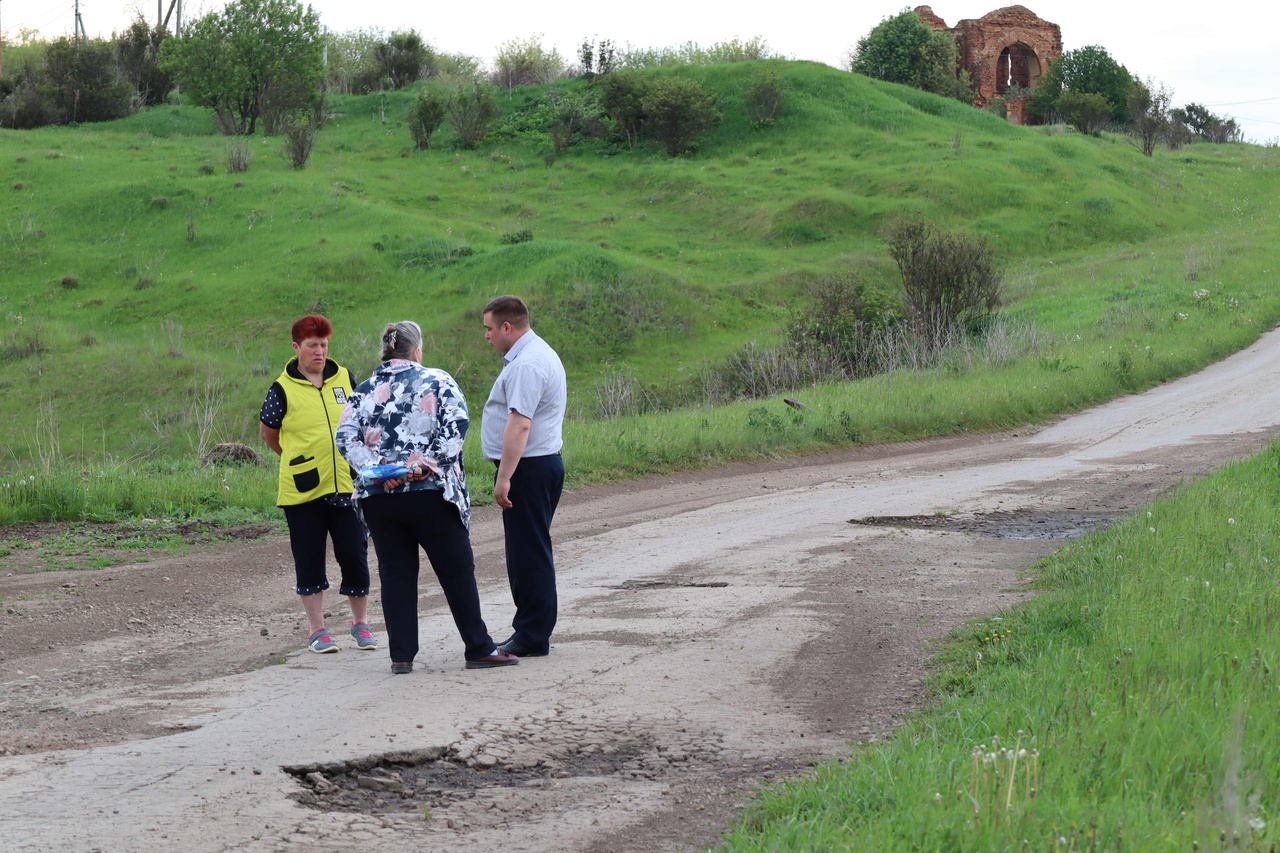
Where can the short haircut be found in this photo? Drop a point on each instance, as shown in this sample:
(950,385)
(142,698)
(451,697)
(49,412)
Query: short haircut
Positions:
(399,340)
(312,326)
(508,309)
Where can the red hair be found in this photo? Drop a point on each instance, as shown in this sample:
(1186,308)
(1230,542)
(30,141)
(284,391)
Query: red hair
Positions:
(312,326)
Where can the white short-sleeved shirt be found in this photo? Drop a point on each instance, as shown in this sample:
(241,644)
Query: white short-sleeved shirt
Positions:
(532,382)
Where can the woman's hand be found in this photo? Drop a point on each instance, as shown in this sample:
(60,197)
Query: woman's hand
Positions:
(417,472)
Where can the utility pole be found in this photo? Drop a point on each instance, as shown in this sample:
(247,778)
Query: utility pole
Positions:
(79,29)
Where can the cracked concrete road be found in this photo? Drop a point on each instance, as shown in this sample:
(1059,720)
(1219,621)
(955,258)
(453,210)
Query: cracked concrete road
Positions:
(718,629)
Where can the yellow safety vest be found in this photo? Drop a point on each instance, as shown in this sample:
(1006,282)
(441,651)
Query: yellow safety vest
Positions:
(310,466)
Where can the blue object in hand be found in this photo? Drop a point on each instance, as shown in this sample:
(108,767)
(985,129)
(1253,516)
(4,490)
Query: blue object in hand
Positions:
(376,475)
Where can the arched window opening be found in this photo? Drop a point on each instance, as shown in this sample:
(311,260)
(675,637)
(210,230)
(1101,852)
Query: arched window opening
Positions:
(1018,66)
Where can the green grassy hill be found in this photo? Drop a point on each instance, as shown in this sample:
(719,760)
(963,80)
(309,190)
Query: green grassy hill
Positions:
(146,292)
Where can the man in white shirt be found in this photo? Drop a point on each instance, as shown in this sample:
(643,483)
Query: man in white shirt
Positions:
(520,431)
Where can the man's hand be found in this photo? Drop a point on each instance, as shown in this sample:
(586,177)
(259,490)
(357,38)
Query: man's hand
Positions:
(502,492)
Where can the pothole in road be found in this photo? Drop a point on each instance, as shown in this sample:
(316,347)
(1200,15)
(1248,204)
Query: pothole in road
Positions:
(531,755)
(663,583)
(1021,525)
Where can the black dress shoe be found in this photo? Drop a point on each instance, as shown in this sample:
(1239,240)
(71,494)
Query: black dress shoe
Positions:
(511,647)
(498,658)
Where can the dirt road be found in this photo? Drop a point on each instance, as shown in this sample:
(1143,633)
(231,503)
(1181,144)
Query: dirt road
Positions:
(717,630)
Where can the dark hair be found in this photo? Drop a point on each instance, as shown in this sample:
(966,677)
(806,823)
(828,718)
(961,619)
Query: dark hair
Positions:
(400,339)
(312,326)
(508,309)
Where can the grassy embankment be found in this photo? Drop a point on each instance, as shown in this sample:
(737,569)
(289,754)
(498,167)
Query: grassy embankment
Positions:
(1137,695)
(146,292)
(1143,678)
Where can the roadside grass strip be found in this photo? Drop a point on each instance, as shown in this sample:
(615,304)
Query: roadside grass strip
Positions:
(1131,705)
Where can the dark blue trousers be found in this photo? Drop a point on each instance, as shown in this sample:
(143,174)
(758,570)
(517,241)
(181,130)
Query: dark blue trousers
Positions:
(535,492)
(402,522)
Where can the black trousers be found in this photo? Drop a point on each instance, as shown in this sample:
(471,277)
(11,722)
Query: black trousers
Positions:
(536,486)
(400,524)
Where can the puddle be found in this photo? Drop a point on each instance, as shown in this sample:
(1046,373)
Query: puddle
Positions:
(1020,525)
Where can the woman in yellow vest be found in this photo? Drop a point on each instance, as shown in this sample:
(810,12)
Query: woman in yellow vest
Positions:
(299,418)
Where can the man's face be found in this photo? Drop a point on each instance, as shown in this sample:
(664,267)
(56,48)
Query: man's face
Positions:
(499,335)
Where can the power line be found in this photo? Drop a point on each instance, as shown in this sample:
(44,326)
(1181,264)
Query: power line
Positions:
(1237,103)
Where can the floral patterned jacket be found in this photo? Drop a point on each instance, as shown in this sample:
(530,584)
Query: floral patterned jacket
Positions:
(408,414)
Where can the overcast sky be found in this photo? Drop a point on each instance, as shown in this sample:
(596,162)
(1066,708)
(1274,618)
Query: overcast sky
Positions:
(1222,54)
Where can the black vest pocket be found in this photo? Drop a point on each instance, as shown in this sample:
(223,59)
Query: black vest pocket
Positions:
(305,481)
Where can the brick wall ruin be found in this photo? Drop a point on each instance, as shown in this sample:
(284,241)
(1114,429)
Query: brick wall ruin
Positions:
(1009,47)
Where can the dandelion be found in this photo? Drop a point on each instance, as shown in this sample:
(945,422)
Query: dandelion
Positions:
(1152,529)
(1206,584)
(1231,521)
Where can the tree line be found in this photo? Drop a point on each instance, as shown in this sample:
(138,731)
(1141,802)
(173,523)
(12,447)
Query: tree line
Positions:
(1085,88)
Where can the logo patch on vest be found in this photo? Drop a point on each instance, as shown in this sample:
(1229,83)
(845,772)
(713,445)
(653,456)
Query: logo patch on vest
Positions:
(340,395)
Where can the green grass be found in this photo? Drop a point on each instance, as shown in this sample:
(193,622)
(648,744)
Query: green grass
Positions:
(1141,682)
(146,293)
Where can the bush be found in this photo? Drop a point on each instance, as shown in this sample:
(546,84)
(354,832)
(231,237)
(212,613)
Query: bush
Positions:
(426,115)
(27,107)
(84,82)
(1149,109)
(239,155)
(300,132)
(1087,113)
(472,113)
(402,58)
(622,99)
(903,49)
(677,111)
(526,63)
(764,96)
(138,58)
(834,332)
(950,282)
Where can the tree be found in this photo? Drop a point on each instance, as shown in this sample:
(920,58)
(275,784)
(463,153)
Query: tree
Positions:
(402,58)
(904,49)
(1149,111)
(677,111)
(138,56)
(1086,71)
(1205,125)
(252,56)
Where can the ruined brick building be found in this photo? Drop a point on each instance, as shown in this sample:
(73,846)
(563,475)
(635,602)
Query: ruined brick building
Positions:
(1010,47)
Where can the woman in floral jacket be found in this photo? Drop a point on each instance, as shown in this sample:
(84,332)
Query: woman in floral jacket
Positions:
(415,417)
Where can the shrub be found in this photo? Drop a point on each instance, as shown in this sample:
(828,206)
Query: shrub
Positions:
(84,82)
(834,331)
(239,155)
(1087,113)
(764,96)
(511,238)
(300,132)
(472,113)
(426,115)
(677,111)
(622,99)
(402,58)
(950,281)
(525,62)
(138,58)
(1149,110)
